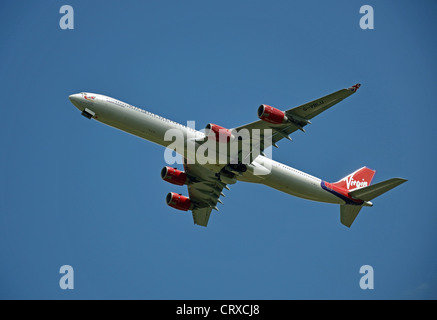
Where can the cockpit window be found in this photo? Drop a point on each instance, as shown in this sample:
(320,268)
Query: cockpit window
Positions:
(88,96)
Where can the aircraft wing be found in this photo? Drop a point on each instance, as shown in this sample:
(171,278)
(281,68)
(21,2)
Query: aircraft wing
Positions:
(300,117)
(204,191)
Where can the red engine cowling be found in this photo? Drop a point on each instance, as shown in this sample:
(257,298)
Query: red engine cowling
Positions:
(178,201)
(218,133)
(270,114)
(174,176)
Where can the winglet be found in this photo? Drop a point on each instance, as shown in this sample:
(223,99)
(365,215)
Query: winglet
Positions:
(355,87)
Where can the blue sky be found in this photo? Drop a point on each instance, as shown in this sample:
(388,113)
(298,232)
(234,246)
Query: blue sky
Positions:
(76,192)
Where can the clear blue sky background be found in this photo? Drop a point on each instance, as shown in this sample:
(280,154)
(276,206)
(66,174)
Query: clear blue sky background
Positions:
(80,193)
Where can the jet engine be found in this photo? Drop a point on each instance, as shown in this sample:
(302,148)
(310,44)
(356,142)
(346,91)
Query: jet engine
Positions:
(174,176)
(272,115)
(218,133)
(178,201)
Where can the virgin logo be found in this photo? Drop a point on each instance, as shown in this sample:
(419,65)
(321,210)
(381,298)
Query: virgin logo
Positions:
(351,183)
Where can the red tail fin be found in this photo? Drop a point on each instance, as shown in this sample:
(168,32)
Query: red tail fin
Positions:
(360,178)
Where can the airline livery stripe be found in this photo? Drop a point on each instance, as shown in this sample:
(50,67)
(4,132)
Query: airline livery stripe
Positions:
(341,196)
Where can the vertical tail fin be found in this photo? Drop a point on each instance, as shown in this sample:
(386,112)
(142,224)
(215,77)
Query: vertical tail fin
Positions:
(358,179)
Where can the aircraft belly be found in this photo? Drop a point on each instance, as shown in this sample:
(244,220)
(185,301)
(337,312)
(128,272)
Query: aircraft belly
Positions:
(297,183)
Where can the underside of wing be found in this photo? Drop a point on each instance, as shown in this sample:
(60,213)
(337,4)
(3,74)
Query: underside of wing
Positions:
(276,125)
(204,190)
(311,109)
(201,216)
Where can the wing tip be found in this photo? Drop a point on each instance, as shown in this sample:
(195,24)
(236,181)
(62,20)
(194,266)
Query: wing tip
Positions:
(355,87)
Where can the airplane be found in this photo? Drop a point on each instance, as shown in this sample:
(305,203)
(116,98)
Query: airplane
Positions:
(206,180)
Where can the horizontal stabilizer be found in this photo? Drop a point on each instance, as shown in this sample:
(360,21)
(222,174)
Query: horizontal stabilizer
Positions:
(348,213)
(370,192)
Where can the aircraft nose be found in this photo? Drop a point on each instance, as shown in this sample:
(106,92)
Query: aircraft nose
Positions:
(75,99)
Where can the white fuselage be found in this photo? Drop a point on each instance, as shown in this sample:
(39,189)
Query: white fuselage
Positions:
(152,127)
